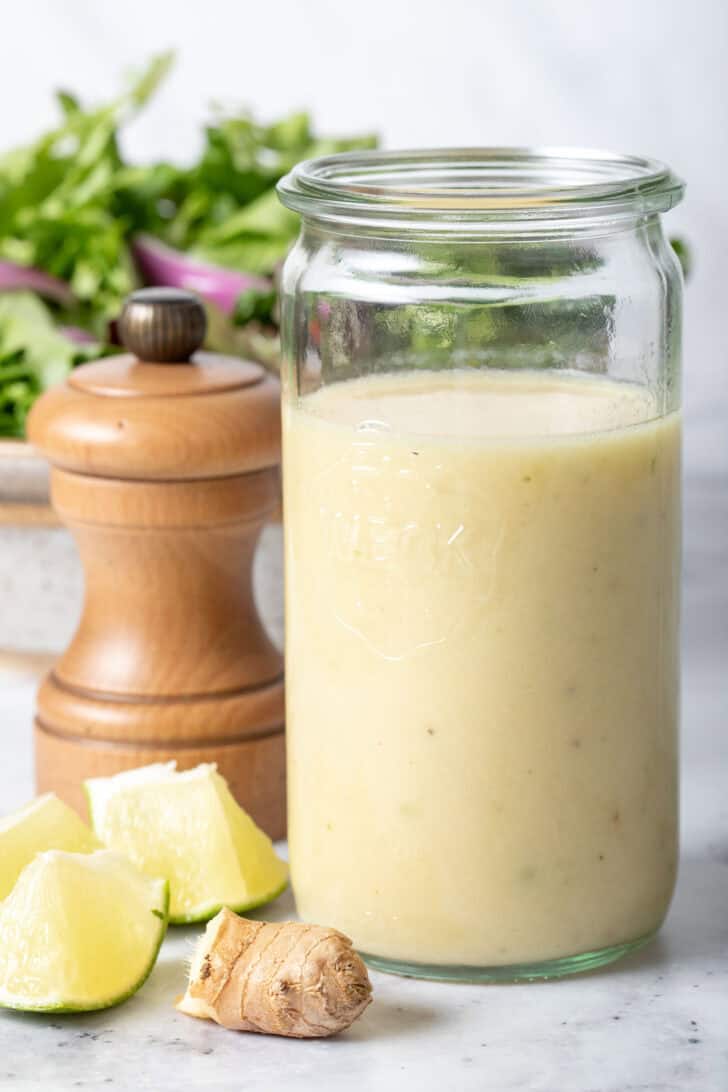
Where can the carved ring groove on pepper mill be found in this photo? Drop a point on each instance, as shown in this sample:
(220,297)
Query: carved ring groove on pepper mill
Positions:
(165,467)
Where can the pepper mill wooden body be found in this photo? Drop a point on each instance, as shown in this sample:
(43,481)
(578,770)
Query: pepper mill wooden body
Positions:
(165,466)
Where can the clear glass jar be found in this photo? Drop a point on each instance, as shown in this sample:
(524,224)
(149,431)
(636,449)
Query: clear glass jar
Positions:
(482,517)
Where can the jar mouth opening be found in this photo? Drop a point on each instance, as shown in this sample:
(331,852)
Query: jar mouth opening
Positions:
(467,185)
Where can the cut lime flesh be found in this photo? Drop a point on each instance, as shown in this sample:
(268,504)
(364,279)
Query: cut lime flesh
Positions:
(45,823)
(188,827)
(79,932)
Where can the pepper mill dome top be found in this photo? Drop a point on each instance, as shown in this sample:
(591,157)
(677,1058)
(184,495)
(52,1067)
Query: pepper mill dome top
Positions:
(162,324)
(165,410)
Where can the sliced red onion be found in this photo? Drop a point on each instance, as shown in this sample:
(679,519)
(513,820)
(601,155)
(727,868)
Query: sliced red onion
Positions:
(161,264)
(77,335)
(20,278)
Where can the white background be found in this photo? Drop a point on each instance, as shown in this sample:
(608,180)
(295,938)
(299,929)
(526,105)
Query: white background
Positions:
(635,75)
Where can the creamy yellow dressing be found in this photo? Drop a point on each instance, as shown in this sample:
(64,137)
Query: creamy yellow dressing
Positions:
(482,663)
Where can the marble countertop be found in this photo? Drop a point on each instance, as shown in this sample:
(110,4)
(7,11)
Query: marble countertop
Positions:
(656,1022)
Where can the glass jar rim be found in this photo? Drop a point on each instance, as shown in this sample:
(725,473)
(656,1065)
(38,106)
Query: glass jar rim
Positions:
(451,186)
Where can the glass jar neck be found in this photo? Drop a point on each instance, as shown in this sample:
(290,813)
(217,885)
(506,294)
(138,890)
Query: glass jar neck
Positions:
(403,234)
(480,192)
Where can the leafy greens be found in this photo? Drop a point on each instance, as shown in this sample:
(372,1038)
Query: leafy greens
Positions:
(73,209)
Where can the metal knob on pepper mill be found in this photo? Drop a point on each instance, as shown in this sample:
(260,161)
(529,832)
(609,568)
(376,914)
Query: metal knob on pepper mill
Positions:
(165,467)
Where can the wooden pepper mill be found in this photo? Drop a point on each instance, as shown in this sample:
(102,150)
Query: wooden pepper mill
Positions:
(165,466)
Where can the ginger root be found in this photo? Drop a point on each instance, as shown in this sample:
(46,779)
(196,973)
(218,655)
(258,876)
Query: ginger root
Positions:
(281,978)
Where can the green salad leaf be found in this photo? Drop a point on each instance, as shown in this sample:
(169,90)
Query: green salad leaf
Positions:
(71,206)
(34,354)
(58,210)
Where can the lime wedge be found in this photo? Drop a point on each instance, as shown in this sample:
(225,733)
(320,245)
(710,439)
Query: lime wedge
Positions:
(79,932)
(187,827)
(45,823)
